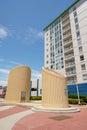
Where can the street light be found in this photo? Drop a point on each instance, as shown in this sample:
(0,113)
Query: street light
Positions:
(78,93)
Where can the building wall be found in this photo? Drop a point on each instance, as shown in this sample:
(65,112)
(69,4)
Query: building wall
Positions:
(81,10)
(54,87)
(18,85)
(70,43)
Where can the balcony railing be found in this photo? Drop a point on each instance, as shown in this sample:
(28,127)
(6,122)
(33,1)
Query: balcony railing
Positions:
(68,41)
(65,17)
(72,81)
(65,23)
(69,64)
(68,48)
(66,35)
(69,56)
(71,72)
(66,29)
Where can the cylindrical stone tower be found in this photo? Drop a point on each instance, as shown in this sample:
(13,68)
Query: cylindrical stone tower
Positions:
(54,89)
(18,89)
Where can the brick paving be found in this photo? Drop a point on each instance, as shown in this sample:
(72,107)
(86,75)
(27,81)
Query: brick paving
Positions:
(44,121)
(11,111)
(20,118)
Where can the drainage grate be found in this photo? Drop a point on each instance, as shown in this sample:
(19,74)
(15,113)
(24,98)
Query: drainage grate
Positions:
(61,117)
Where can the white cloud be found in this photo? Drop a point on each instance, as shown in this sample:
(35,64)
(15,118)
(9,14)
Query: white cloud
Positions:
(4,71)
(14,62)
(4,32)
(34,33)
(29,35)
(35,75)
(3,82)
(40,34)
(1,59)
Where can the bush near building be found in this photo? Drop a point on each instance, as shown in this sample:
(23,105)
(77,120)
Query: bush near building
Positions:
(35,97)
(73,99)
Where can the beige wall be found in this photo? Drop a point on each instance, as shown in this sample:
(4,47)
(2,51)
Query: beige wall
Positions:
(19,81)
(54,89)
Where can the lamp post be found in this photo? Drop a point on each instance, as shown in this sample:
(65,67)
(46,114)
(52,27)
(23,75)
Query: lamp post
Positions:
(78,93)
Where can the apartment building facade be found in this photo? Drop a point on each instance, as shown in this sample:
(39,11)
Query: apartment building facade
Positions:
(36,87)
(65,43)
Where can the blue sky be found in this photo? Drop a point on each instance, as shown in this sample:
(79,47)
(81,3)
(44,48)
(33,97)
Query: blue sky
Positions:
(21,33)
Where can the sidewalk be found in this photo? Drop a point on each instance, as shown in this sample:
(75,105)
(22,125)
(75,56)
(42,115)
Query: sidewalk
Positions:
(23,118)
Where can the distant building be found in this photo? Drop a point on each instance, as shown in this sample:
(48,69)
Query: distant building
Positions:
(36,87)
(3,91)
(65,41)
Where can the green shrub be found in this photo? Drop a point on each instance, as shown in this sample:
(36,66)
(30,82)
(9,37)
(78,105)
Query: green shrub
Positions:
(35,97)
(72,96)
(74,101)
(83,103)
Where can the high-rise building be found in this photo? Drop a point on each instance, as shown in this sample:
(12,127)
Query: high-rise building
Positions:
(65,40)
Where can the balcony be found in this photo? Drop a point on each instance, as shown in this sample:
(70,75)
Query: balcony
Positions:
(71,72)
(69,41)
(72,82)
(65,17)
(69,64)
(68,48)
(66,29)
(66,23)
(67,35)
(69,56)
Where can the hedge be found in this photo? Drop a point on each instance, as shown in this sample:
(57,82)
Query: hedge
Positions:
(35,97)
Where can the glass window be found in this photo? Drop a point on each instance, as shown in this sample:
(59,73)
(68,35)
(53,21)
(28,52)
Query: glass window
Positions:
(76,20)
(81,58)
(47,62)
(79,41)
(83,67)
(80,49)
(75,14)
(47,56)
(74,8)
(84,76)
(40,91)
(78,33)
(77,26)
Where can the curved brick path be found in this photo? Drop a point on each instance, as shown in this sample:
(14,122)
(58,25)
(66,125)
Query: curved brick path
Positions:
(43,121)
(20,118)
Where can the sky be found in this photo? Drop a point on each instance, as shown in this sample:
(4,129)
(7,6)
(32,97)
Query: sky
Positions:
(21,33)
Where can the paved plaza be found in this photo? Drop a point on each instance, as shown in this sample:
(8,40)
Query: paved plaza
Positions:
(22,118)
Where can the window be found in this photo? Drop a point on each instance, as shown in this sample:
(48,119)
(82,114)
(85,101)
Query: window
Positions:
(75,14)
(77,26)
(47,62)
(79,41)
(81,58)
(83,67)
(46,39)
(47,50)
(76,20)
(46,44)
(33,89)
(51,66)
(78,33)
(74,8)
(40,91)
(80,49)
(47,56)
(84,76)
